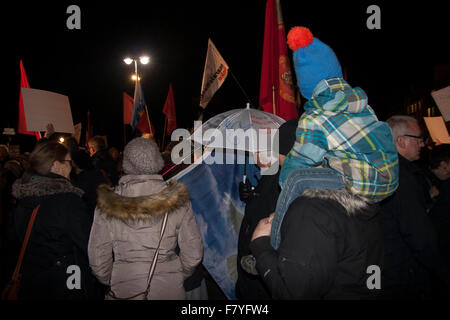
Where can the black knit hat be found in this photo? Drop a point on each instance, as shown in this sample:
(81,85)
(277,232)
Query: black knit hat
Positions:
(287,136)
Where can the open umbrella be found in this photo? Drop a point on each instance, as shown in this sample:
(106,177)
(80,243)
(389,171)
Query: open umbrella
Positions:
(245,129)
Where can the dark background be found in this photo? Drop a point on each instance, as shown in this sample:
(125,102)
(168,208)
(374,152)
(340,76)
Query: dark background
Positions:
(404,60)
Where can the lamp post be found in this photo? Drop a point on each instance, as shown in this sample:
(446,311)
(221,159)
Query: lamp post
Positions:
(143,60)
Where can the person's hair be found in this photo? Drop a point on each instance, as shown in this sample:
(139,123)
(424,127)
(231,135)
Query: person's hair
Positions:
(44,154)
(438,154)
(99,143)
(399,125)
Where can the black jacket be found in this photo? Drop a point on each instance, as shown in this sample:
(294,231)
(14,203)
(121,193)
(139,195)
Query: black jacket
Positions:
(412,254)
(324,253)
(261,205)
(59,238)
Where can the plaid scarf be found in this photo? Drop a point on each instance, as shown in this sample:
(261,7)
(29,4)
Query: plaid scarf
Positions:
(339,130)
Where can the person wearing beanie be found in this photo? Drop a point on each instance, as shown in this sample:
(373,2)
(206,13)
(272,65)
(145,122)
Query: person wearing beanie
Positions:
(343,160)
(127,225)
(338,130)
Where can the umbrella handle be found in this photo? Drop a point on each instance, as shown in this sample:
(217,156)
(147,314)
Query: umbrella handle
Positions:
(245,167)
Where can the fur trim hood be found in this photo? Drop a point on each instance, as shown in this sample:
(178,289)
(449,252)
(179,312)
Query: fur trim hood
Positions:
(354,205)
(33,185)
(120,207)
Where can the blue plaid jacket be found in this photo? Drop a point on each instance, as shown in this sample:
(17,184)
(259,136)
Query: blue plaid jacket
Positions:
(339,130)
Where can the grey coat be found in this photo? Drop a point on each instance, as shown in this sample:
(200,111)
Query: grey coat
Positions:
(126,231)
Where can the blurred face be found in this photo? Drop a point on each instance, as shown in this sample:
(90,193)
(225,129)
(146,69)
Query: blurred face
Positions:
(410,144)
(443,171)
(114,153)
(3,154)
(91,149)
(63,168)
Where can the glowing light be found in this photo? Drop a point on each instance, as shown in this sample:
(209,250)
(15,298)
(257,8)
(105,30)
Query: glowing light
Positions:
(128,60)
(61,140)
(133,77)
(144,59)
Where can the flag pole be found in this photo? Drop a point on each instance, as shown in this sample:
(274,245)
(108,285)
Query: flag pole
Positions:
(164,134)
(273,99)
(124,135)
(146,110)
(149,124)
(248,99)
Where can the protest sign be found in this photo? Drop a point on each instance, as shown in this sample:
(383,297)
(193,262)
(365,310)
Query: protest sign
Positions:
(44,107)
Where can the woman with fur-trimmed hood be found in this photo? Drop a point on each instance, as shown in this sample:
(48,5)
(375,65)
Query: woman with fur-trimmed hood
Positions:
(127,225)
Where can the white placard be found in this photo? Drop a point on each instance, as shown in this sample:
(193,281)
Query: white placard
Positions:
(44,107)
(437,129)
(442,99)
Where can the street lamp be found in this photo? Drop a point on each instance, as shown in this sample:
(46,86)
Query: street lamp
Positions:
(134,77)
(142,59)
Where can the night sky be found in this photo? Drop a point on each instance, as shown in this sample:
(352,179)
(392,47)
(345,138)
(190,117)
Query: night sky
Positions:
(87,65)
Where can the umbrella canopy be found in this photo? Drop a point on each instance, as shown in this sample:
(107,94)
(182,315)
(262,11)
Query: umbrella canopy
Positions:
(244,129)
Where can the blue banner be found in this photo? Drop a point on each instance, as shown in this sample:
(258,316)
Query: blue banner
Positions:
(214,192)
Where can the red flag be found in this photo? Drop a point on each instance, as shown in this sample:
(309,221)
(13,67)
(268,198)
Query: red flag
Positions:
(276,72)
(22,124)
(88,130)
(127,108)
(169,111)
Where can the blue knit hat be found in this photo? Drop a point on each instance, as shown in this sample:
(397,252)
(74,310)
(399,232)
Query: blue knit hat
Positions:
(313,60)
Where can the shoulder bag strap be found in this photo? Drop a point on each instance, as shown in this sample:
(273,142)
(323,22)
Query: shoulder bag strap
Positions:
(155,257)
(24,244)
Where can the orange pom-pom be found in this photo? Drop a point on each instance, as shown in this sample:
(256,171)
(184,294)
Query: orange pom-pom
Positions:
(299,37)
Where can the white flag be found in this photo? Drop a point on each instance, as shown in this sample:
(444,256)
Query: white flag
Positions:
(214,74)
(437,129)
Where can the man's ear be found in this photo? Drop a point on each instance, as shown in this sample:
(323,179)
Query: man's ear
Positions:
(55,168)
(401,142)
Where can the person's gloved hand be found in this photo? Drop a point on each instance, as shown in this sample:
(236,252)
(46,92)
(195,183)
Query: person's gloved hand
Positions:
(245,190)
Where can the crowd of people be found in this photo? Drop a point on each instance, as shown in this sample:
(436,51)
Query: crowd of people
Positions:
(111,233)
(358,210)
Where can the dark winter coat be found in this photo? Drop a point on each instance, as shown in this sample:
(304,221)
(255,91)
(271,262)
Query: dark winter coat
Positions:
(412,253)
(258,207)
(328,241)
(59,238)
(440,215)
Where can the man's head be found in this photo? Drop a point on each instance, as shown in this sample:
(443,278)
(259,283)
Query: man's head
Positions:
(407,136)
(96,144)
(4,153)
(285,137)
(114,153)
(439,161)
